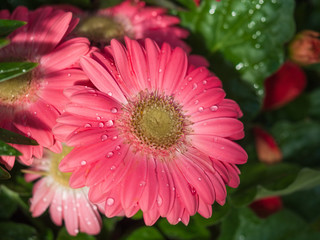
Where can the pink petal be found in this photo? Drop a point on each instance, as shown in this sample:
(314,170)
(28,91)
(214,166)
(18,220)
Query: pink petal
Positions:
(70,215)
(42,197)
(56,207)
(152,54)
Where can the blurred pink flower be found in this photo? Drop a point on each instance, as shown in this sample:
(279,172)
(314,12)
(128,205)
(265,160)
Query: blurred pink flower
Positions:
(305,48)
(52,191)
(266,147)
(284,86)
(132,19)
(30,103)
(156,135)
(266,206)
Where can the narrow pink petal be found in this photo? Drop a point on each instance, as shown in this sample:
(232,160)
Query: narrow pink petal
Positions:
(220,148)
(185,217)
(42,196)
(164,57)
(150,217)
(205,210)
(150,192)
(56,207)
(113,203)
(184,191)
(134,183)
(71,50)
(101,78)
(222,127)
(78,178)
(174,216)
(70,215)
(64,78)
(152,54)
(96,194)
(175,71)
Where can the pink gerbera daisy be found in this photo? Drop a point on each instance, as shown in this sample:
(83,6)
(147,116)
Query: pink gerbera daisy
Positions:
(156,135)
(130,19)
(52,191)
(30,103)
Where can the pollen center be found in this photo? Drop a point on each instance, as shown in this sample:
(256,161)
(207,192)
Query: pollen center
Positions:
(157,121)
(13,89)
(100,29)
(55,173)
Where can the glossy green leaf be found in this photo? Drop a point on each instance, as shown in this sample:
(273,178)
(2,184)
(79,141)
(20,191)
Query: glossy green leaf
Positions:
(298,141)
(194,230)
(145,233)
(17,231)
(307,178)
(7,150)
(4,175)
(4,42)
(64,235)
(254,177)
(7,206)
(12,137)
(8,26)
(249,33)
(10,70)
(244,224)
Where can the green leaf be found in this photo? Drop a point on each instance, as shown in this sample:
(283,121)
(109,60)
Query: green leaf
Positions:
(4,42)
(254,177)
(7,206)
(249,33)
(299,142)
(64,235)
(7,150)
(8,26)
(4,175)
(145,233)
(17,231)
(12,137)
(314,98)
(307,178)
(194,230)
(244,224)
(10,70)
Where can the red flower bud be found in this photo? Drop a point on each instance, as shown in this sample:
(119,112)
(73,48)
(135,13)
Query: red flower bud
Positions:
(305,48)
(266,206)
(266,147)
(284,86)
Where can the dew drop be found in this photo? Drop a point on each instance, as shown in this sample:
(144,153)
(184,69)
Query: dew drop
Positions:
(101,124)
(193,191)
(24,70)
(44,199)
(35,113)
(104,137)
(110,154)
(196,102)
(263,19)
(114,110)
(239,66)
(189,78)
(142,183)
(204,82)
(87,125)
(114,137)
(214,108)
(76,231)
(194,86)
(98,118)
(113,168)
(59,208)
(173,188)
(212,10)
(199,178)
(110,94)
(83,163)
(28,134)
(118,147)
(160,70)
(200,109)
(69,74)
(110,201)
(159,201)
(109,123)
(233,14)
(179,219)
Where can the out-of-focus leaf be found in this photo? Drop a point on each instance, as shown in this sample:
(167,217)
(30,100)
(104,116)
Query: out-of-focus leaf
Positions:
(218,214)
(299,141)
(7,150)
(10,70)
(194,230)
(8,26)
(12,137)
(109,3)
(244,224)
(305,202)
(255,177)
(7,206)
(78,3)
(249,33)
(314,98)
(4,42)
(307,178)
(64,235)
(145,233)
(4,175)
(17,231)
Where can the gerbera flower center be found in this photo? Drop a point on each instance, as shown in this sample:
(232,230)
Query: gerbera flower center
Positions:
(156,121)
(12,89)
(100,29)
(55,173)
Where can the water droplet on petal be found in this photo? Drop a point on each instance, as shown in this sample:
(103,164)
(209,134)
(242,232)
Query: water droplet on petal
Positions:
(118,147)
(190,78)
(204,82)
(29,134)
(113,168)
(110,94)
(194,86)
(160,70)
(101,124)
(159,201)
(69,74)
(233,13)
(114,137)
(87,125)
(214,108)
(199,179)
(114,110)
(110,201)
(110,154)
(104,137)
(59,208)
(109,123)
(142,183)
(196,102)
(200,109)
(83,163)
(239,66)
(98,118)
(76,231)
